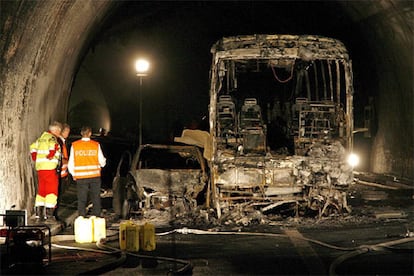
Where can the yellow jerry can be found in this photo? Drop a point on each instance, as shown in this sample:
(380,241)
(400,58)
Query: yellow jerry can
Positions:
(147,237)
(132,237)
(129,236)
(122,234)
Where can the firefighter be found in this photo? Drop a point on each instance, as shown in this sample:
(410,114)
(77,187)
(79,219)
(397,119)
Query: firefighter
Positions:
(85,162)
(46,153)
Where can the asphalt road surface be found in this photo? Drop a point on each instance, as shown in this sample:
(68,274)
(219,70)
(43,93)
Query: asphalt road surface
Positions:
(376,238)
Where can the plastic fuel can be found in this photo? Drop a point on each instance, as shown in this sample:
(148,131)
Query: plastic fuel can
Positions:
(129,236)
(83,230)
(132,237)
(89,229)
(99,228)
(122,234)
(147,237)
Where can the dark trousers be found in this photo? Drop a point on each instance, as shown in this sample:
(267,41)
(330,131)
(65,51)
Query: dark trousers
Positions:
(93,187)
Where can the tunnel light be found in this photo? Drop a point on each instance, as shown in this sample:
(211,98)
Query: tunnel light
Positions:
(142,67)
(353,160)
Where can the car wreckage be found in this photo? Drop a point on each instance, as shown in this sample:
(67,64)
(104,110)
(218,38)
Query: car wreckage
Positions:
(161,177)
(281,124)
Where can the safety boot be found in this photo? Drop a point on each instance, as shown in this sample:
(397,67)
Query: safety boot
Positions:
(49,215)
(39,216)
(43,212)
(37,212)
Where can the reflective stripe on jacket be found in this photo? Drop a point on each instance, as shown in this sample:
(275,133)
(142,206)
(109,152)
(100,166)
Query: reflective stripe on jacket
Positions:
(64,171)
(42,146)
(65,158)
(86,160)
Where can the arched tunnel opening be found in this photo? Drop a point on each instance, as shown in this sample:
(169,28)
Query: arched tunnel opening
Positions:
(62,58)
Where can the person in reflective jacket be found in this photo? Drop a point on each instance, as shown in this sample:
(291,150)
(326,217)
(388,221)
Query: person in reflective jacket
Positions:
(85,162)
(63,177)
(46,153)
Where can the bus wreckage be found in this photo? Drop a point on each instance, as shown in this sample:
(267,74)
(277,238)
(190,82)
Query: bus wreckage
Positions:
(281,124)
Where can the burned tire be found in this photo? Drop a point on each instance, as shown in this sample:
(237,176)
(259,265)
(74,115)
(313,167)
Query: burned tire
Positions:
(119,184)
(126,209)
(118,195)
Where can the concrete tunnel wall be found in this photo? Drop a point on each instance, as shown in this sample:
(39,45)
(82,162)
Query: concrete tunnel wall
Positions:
(388,29)
(43,42)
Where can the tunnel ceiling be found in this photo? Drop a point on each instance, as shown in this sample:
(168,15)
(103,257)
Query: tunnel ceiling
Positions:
(212,18)
(45,44)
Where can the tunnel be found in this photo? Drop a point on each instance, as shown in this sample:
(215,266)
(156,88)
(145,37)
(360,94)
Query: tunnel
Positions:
(48,49)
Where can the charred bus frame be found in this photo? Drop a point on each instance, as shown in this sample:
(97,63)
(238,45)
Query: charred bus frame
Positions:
(281,122)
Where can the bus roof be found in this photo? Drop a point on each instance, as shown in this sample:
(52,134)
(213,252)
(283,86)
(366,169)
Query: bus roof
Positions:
(273,46)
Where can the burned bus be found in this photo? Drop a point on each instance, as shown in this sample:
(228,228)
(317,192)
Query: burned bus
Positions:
(281,123)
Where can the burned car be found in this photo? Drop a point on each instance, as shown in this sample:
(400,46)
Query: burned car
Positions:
(281,123)
(165,177)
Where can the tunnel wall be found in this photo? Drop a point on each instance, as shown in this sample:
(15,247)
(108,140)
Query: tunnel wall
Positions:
(390,36)
(41,47)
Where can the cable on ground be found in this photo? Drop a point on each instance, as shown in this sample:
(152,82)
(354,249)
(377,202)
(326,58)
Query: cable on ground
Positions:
(105,249)
(354,251)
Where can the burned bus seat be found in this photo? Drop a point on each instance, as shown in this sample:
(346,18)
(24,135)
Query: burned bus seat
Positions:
(226,117)
(251,127)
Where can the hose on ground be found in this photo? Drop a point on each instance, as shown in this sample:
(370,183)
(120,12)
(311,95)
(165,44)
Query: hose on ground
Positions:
(354,251)
(105,249)
(365,249)
(96,271)
(204,232)
(187,266)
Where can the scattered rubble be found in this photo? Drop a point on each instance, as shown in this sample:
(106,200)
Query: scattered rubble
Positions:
(285,213)
(318,181)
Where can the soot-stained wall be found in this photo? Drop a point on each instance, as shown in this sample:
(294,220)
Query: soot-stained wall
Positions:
(389,33)
(42,44)
(384,70)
